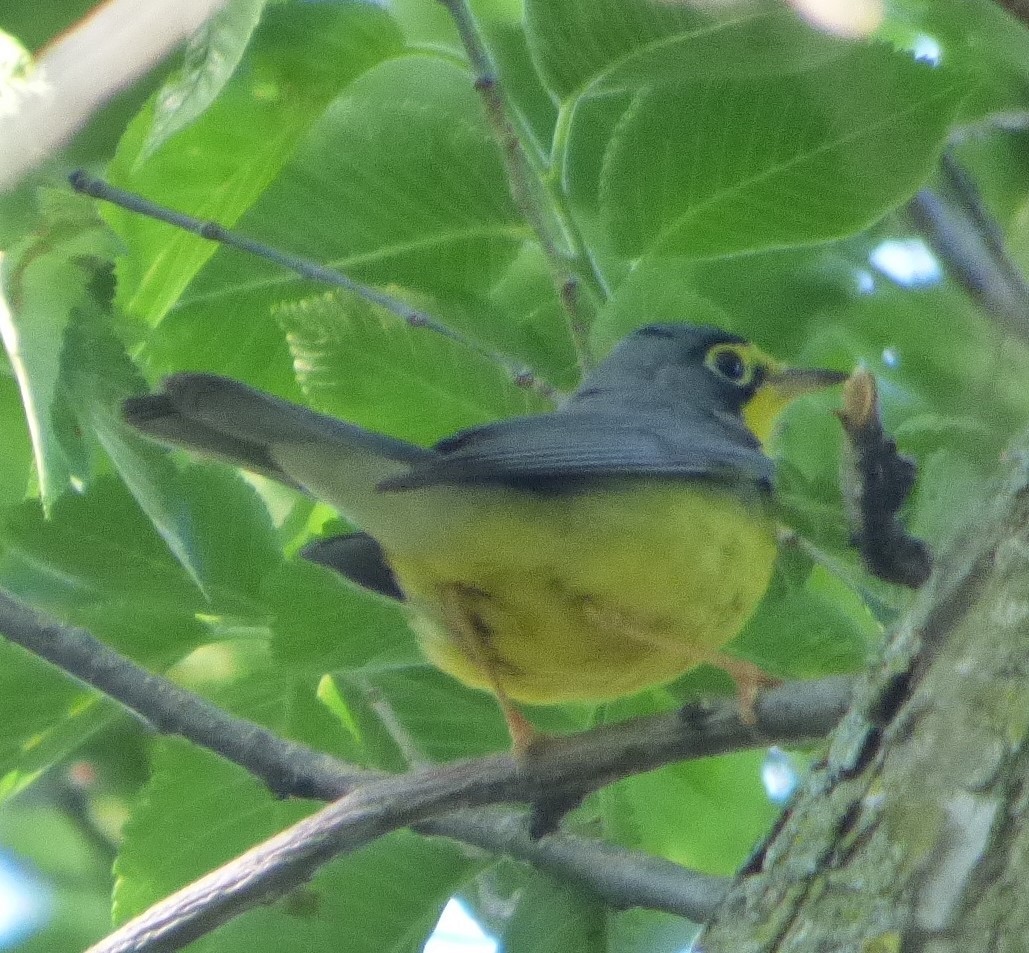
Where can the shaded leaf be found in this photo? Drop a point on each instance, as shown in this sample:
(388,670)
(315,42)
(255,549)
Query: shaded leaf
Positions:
(322,623)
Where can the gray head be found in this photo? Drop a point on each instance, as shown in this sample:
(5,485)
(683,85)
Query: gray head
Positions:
(704,365)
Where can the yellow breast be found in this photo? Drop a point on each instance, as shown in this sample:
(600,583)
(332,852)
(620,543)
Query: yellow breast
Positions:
(590,596)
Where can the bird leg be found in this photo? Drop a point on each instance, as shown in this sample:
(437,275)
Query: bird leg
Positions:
(749,680)
(466,623)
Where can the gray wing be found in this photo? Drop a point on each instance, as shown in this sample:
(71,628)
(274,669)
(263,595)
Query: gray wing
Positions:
(332,460)
(359,558)
(562,448)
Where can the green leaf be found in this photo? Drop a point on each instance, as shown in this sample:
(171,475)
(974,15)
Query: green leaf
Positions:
(180,828)
(717,168)
(705,814)
(596,46)
(211,57)
(14,438)
(552,917)
(657,289)
(399,183)
(404,159)
(427,26)
(97,546)
(322,623)
(950,488)
(235,333)
(97,375)
(524,299)
(301,56)
(976,36)
(443,718)
(51,275)
(189,509)
(808,627)
(385,897)
(356,362)
(34,25)
(46,715)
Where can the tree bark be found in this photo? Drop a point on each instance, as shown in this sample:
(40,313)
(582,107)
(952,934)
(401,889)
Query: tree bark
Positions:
(911,835)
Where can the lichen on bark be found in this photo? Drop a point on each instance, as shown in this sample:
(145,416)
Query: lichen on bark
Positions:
(911,835)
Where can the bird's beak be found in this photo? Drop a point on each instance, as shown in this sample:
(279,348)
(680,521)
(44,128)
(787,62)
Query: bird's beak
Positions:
(780,386)
(791,382)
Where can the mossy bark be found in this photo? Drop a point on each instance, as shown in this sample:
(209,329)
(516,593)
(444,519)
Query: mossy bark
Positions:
(912,835)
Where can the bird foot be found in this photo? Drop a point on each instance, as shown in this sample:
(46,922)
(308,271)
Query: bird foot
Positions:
(750,681)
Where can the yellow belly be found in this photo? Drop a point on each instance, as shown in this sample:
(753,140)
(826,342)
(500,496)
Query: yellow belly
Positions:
(591,596)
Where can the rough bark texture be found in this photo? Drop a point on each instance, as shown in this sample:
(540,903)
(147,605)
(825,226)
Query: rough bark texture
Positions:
(912,835)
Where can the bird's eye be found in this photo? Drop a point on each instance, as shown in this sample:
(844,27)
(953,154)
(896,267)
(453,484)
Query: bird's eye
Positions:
(727,362)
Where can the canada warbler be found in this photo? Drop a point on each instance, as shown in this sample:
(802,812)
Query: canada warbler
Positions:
(581,554)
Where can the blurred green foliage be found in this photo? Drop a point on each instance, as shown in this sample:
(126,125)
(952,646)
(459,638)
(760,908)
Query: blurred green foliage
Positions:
(732,167)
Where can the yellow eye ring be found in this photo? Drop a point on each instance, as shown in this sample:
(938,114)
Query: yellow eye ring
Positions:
(730,361)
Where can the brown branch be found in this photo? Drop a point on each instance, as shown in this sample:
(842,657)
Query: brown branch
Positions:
(567,767)
(563,768)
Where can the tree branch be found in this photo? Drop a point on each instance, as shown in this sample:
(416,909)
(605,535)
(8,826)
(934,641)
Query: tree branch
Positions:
(966,238)
(620,877)
(572,268)
(569,766)
(911,835)
(173,710)
(86,184)
(377,807)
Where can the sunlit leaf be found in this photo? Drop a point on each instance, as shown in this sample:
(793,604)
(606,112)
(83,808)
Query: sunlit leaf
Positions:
(301,56)
(44,281)
(211,57)
(714,168)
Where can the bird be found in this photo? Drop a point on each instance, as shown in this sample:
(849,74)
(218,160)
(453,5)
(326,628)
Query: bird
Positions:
(580,554)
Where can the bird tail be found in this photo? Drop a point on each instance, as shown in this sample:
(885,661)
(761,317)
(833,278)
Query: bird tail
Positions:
(229,421)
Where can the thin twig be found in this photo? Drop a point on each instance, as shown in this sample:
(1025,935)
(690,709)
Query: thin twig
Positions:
(621,877)
(103,191)
(390,720)
(580,287)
